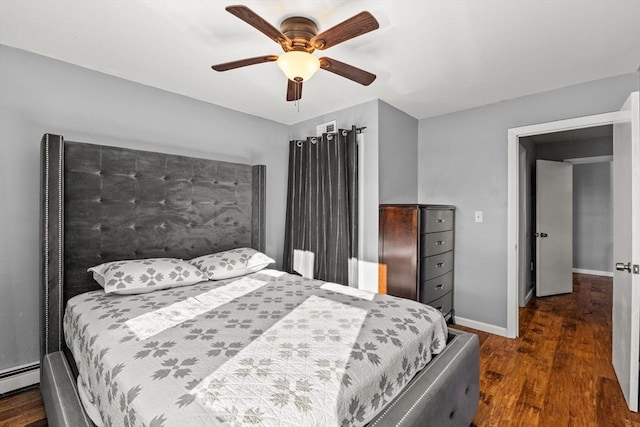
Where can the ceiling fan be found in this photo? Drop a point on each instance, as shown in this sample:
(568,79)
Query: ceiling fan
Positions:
(298,36)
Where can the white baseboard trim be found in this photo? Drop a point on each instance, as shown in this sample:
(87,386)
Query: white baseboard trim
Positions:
(18,381)
(484,327)
(529,296)
(593,272)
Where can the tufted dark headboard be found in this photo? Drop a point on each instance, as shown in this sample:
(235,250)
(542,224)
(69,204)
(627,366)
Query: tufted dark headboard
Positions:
(103,203)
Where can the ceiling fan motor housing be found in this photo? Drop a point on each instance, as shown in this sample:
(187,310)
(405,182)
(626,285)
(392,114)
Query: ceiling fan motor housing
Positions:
(300,31)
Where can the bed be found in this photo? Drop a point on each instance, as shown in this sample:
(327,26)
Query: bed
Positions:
(102,203)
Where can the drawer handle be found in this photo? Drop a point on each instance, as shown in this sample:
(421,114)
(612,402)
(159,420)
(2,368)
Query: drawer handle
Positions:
(440,243)
(440,309)
(440,286)
(440,220)
(440,264)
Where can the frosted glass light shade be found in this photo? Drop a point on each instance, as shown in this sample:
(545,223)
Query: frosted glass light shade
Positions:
(298,66)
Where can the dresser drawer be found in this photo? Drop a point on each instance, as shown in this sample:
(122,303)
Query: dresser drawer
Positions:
(433,220)
(436,243)
(435,288)
(444,303)
(436,266)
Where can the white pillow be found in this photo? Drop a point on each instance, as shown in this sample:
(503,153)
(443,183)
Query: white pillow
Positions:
(233,263)
(145,275)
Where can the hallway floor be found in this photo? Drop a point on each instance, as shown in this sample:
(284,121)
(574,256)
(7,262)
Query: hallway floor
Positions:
(558,372)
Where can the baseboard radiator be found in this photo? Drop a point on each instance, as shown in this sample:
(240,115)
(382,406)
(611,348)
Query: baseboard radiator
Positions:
(19,377)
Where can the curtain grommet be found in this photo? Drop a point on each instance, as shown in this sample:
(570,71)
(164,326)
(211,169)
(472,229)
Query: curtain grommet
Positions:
(329,136)
(345,132)
(314,140)
(299,144)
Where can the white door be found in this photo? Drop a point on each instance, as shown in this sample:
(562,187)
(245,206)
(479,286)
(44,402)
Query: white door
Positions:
(626,248)
(554,228)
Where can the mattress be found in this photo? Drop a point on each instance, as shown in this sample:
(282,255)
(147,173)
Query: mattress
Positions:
(267,349)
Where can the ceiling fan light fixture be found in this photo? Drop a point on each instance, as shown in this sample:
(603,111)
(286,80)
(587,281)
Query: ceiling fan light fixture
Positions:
(298,36)
(298,66)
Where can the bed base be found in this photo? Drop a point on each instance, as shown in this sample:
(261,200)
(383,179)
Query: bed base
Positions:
(444,393)
(60,393)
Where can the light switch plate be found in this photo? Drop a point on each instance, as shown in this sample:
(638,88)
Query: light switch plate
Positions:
(478,216)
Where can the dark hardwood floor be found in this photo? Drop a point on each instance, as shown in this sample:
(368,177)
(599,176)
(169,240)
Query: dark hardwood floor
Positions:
(557,373)
(23,409)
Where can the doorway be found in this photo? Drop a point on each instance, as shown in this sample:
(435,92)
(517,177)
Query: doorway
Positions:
(552,245)
(513,154)
(626,242)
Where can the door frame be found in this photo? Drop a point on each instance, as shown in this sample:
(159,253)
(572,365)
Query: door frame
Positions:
(523,207)
(513,186)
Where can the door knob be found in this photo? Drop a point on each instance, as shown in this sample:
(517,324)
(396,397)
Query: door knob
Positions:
(543,234)
(621,266)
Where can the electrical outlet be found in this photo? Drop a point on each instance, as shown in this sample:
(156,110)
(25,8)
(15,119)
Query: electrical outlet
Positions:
(478,216)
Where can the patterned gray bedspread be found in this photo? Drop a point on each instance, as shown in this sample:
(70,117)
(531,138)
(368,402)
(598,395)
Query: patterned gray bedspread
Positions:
(265,349)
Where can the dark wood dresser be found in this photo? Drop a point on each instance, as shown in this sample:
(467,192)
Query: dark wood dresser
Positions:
(416,249)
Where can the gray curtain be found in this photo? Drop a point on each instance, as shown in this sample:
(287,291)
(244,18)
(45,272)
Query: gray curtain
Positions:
(322,204)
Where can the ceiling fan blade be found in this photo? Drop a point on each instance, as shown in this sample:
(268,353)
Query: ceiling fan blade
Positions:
(345,70)
(244,62)
(257,22)
(294,90)
(355,26)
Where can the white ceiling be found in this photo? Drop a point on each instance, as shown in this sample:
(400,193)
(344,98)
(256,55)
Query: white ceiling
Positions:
(431,57)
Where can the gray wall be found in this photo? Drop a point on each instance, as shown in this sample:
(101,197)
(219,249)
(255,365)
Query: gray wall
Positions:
(39,95)
(398,151)
(562,150)
(593,216)
(463,161)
